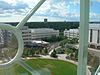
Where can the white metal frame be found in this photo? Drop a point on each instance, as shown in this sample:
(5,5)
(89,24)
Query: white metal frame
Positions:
(83,45)
(18,35)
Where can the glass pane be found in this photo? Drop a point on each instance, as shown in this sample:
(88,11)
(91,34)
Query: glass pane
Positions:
(47,51)
(8,46)
(93,50)
(94,38)
(15,70)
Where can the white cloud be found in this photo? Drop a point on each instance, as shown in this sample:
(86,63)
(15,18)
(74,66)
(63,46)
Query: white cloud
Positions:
(94,17)
(97,0)
(45,7)
(60,9)
(54,9)
(10,1)
(1,11)
(30,3)
(32,19)
(75,2)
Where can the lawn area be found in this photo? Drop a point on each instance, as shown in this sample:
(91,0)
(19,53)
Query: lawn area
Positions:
(56,67)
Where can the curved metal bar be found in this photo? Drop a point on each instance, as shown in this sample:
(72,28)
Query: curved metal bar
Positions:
(16,31)
(97,71)
(18,35)
(28,15)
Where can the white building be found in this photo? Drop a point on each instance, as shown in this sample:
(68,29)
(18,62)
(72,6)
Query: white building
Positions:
(39,33)
(1,39)
(26,34)
(73,33)
(94,36)
(5,37)
(40,43)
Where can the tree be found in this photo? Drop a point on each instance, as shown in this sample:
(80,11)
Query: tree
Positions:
(45,51)
(73,40)
(76,54)
(26,52)
(53,54)
(33,52)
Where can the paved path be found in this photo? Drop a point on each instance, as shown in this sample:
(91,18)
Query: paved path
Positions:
(53,49)
(92,51)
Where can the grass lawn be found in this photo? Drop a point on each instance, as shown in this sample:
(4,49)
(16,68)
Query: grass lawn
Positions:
(56,67)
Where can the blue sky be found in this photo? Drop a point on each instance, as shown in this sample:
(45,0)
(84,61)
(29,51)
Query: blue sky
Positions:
(53,10)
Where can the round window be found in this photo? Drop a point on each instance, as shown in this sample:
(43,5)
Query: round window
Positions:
(11,45)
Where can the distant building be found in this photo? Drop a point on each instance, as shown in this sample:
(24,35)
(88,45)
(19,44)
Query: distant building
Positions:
(1,39)
(45,20)
(40,43)
(5,38)
(39,33)
(26,34)
(94,35)
(71,33)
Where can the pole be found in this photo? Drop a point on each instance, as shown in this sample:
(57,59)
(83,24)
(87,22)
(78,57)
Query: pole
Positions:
(83,45)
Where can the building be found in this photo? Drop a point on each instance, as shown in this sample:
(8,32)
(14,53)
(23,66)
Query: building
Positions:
(1,39)
(37,34)
(71,33)
(41,43)
(26,34)
(94,35)
(40,33)
(5,37)
(38,45)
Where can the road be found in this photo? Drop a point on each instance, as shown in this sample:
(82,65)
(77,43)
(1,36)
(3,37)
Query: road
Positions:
(53,49)
(92,51)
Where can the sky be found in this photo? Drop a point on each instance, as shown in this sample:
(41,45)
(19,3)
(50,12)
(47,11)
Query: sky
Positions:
(53,10)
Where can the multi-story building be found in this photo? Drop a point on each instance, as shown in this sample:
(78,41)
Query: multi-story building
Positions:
(43,33)
(5,37)
(26,34)
(37,34)
(71,33)
(1,39)
(94,36)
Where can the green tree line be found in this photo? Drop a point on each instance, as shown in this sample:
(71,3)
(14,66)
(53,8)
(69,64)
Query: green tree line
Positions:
(55,25)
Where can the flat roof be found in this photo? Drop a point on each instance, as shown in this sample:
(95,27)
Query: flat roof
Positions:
(39,42)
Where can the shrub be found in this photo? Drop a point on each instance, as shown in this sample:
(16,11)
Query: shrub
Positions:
(53,54)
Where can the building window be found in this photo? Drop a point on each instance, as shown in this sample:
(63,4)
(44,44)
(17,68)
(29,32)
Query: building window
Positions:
(98,36)
(91,33)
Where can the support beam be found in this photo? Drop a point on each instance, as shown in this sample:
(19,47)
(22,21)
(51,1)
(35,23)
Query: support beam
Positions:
(28,15)
(83,45)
